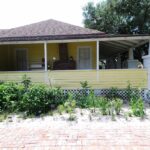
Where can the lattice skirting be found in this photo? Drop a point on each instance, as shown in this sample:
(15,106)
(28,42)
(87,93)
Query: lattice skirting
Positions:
(122,93)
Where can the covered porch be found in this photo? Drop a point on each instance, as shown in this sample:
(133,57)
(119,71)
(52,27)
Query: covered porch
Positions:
(80,54)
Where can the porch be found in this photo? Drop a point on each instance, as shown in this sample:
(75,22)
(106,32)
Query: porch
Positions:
(70,79)
(80,54)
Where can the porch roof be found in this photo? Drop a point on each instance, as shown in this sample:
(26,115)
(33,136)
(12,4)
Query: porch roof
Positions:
(54,31)
(112,47)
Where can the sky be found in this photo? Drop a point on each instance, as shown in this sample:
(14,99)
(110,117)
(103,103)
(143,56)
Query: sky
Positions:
(14,13)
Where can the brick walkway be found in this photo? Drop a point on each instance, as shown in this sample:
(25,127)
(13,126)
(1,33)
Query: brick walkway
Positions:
(99,136)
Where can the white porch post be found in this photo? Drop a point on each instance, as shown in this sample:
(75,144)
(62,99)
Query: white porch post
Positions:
(132,63)
(131,57)
(148,78)
(45,55)
(146,58)
(97,55)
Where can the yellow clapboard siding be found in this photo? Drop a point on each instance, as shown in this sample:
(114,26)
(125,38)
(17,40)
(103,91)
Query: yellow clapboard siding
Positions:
(72,78)
(100,79)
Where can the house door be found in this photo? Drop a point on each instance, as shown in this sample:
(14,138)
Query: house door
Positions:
(84,58)
(21,59)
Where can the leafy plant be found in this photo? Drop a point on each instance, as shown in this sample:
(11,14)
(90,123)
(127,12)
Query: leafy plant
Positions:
(112,94)
(10,94)
(72,117)
(137,107)
(132,93)
(26,81)
(84,85)
(3,116)
(117,105)
(1,82)
(40,99)
(104,106)
(82,97)
(61,109)
(70,104)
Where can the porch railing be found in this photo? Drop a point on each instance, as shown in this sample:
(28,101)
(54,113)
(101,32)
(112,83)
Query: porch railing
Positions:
(70,79)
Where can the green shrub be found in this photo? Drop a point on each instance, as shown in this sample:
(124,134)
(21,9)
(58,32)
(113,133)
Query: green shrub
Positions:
(84,85)
(70,104)
(137,107)
(10,94)
(40,99)
(104,106)
(86,97)
(110,107)
(26,81)
(132,93)
(118,103)
(56,96)
(112,94)
(1,82)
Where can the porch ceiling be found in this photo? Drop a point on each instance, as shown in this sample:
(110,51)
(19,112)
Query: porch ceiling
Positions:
(108,48)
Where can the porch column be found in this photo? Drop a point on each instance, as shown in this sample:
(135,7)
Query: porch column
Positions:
(45,55)
(149,78)
(131,57)
(97,55)
(132,63)
(146,58)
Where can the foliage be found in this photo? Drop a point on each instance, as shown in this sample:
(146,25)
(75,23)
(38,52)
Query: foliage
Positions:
(3,116)
(1,82)
(10,93)
(118,105)
(60,109)
(40,99)
(72,117)
(118,16)
(110,107)
(70,104)
(112,94)
(137,107)
(82,97)
(104,106)
(136,15)
(132,93)
(26,81)
(84,85)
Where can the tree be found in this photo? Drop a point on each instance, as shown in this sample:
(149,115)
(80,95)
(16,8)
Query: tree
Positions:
(136,14)
(118,16)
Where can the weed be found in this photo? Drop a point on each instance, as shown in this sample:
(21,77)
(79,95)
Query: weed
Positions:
(61,109)
(26,81)
(137,107)
(72,117)
(3,116)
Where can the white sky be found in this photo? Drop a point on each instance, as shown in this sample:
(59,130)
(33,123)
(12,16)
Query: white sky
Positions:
(15,13)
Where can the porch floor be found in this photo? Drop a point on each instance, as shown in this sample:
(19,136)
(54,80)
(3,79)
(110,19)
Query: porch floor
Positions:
(71,78)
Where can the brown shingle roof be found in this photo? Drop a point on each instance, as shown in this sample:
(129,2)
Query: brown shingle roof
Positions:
(47,30)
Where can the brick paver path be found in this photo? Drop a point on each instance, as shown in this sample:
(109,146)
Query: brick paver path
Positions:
(80,136)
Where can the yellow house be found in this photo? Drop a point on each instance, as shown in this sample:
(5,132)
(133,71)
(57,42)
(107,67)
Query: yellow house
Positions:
(54,45)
